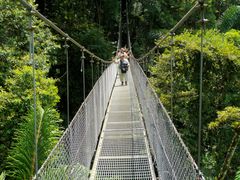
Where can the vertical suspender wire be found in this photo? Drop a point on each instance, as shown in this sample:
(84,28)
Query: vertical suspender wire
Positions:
(143,64)
(146,64)
(128,32)
(83,71)
(172,62)
(92,68)
(97,69)
(201,85)
(66,46)
(104,67)
(101,68)
(120,28)
(32,60)
(84,93)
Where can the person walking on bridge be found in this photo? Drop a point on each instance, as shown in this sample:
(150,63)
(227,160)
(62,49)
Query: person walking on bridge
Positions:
(123,68)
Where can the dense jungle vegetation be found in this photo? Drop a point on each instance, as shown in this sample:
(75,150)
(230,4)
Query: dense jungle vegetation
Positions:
(94,23)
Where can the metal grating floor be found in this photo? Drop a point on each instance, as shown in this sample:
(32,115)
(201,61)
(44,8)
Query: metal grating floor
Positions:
(124,168)
(123,147)
(123,152)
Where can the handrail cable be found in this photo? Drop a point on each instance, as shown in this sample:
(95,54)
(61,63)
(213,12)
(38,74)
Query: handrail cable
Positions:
(51,24)
(173,30)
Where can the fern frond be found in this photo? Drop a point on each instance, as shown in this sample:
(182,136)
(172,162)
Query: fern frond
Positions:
(229,19)
(238,175)
(3,176)
(22,156)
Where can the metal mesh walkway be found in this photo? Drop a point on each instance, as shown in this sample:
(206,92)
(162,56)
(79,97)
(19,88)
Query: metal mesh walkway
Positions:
(123,148)
(123,151)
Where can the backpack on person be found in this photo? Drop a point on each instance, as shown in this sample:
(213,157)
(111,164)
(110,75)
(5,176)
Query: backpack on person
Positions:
(124,66)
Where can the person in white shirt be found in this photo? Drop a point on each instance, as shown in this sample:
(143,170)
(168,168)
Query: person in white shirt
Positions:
(123,66)
(123,69)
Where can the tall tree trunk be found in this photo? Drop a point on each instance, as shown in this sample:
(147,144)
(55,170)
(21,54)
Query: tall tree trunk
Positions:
(230,153)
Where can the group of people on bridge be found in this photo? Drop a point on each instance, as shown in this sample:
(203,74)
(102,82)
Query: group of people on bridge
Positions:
(121,58)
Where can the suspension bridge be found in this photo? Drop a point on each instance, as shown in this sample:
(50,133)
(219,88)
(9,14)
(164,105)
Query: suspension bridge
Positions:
(119,132)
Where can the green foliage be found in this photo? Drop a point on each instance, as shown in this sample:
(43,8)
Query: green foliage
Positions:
(151,19)
(230,19)
(209,161)
(221,74)
(16,77)
(3,176)
(93,38)
(21,159)
(233,35)
(238,175)
(229,116)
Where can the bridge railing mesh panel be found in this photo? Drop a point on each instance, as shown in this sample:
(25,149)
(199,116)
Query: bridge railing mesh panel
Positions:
(172,158)
(71,157)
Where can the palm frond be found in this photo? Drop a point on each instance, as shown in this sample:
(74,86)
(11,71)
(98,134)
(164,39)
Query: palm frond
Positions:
(22,156)
(230,19)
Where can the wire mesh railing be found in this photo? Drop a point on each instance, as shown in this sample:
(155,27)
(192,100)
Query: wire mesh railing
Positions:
(71,158)
(172,158)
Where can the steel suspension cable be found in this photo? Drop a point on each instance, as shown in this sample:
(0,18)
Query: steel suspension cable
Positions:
(32,60)
(101,68)
(128,31)
(66,46)
(83,71)
(201,83)
(120,29)
(92,61)
(172,64)
(98,69)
